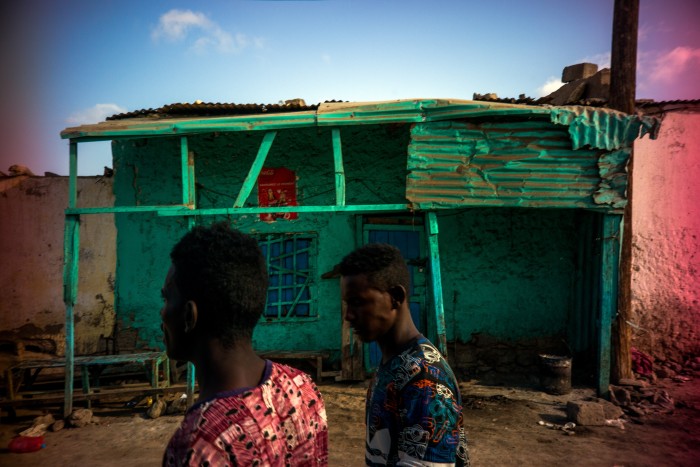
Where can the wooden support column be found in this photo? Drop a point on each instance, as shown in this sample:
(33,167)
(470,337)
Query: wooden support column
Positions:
(610,255)
(339,171)
(623,73)
(71,249)
(189,199)
(436,282)
(187,167)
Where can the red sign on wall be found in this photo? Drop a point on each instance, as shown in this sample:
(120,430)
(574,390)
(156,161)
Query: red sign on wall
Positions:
(277,187)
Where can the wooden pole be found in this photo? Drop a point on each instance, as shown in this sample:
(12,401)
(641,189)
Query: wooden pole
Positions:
(623,82)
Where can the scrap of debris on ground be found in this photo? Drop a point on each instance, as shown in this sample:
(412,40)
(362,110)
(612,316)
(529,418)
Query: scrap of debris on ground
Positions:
(631,400)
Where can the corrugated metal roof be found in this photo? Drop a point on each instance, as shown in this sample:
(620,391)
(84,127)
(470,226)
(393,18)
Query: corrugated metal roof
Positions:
(602,128)
(517,164)
(328,113)
(641,104)
(461,153)
(202,109)
(656,108)
(651,103)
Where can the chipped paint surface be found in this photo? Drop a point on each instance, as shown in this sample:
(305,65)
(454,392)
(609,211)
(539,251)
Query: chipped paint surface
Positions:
(32,314)
(524,156)
(603,128)
(666,239)
(581,120)
(519,163)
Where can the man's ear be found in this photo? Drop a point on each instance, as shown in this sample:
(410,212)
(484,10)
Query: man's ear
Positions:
(398,295)
(191,315)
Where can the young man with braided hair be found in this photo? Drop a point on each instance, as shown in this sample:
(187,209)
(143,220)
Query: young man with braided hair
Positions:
(413,407)
(250,411)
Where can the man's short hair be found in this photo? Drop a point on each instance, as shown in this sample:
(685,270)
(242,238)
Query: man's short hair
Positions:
(381,263)
(224,272)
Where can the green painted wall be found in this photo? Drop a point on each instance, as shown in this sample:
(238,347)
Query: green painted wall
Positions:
(506,272)
(148,172)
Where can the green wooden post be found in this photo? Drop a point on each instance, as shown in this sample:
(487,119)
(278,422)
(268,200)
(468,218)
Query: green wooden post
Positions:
(339,171)
(255,169)
(73,174)
(436,281)
(610,256)
(187,165)
(71,246)
(189,199)
(191,373)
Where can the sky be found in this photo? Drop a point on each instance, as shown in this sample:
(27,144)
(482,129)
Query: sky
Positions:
(72,62)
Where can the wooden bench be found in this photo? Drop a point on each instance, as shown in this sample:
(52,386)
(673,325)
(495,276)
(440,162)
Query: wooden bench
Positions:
(315,357)
(27,371)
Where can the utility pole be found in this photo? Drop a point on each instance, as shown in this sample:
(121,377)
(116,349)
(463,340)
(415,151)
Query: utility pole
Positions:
(623,82)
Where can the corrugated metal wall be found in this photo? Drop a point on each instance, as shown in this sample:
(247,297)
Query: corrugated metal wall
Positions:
(525,163)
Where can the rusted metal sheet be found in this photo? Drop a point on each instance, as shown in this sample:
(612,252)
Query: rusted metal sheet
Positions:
(600,128)
(603,128)
(527,163)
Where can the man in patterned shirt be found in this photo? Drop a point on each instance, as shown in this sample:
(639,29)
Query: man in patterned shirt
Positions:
(413,408)
(250,411)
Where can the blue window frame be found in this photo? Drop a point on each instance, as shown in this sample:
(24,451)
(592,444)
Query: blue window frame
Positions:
(291,266)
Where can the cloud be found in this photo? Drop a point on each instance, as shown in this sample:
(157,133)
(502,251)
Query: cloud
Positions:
(549,87)
(602,60)
(665,67)
(180,25)
(174,24)
(94,114)
(326,58)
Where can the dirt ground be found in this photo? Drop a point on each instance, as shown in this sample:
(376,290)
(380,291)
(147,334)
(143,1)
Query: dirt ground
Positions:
(501,423)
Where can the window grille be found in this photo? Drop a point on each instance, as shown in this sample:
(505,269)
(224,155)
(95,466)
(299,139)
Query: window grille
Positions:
(290,263)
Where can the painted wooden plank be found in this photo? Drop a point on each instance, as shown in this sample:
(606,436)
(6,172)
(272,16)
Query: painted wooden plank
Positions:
(191,373)
(187,165)
(436,281)
(127,209)
(252,177)
(71,247)
(139,128)
(73,174)
(610,256)
(339,171)
(257,210)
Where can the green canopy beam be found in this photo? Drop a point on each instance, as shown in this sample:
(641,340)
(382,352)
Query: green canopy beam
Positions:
(255,169)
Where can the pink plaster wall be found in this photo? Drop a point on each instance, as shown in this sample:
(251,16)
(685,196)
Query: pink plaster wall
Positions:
(666,234)
(32,313)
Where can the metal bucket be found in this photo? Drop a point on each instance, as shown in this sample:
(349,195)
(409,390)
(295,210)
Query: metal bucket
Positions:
(555,374)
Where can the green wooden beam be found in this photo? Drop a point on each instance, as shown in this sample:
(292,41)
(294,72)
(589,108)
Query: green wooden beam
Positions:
(339,171)
(358,208)
(143,128)
(71,246)
(610,256)
(252,177)
(128,209)
(187,166)
(73,174)
(436,281)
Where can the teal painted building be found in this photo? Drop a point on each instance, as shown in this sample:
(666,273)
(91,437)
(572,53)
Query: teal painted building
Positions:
(508,215)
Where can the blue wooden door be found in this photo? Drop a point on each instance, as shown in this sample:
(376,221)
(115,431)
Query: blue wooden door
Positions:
(409,240)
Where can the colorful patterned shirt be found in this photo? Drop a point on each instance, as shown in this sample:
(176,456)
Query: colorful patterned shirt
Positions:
(414,411)
(282,421)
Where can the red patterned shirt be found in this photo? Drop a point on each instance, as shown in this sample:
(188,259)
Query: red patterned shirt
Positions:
(282,421)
